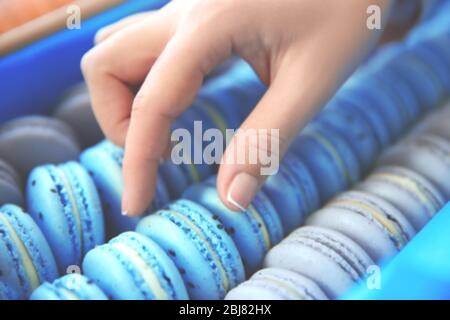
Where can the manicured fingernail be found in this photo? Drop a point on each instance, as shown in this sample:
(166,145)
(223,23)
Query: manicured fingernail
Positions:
(242,190)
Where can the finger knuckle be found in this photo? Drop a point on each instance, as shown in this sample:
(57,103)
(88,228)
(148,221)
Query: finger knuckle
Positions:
(89,62)
(207,12)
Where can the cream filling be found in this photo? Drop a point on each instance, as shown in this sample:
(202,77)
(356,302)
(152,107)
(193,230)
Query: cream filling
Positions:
(27,261)
(73,204)
(392,228)
(410,186)
(286,286)
(251,209)
(147,273)
(194,172)
(216,117)
(225,281)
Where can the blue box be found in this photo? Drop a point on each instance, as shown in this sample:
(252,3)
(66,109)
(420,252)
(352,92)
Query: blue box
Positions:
(33,79)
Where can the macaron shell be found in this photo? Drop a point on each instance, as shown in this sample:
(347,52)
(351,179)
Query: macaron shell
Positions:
(26,259)
(174,178)
(47,207)
(70,287)
(320,261)
(10,192)
(133,267)
(365,90)
(292,192)
(435,124)
(329,159)
(277,284)
(75,109)
(428,155)
(412,194)
(354,217)
(22,142)
(243,228)
(352,97)
(103,164)
(93,221)
(204,254)
(6,293)
(353,126)
(217,237)
(111,275)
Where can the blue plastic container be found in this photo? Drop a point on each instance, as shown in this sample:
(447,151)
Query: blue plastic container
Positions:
(33,78)
(420,271)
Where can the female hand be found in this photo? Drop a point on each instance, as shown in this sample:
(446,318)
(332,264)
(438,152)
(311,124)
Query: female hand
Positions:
(302,49)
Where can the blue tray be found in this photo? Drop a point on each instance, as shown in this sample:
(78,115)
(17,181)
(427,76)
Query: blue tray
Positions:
(33,78)
(420,271)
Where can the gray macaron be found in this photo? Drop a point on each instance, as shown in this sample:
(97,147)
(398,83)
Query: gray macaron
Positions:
(372,222)
(428,155)
(437,123)
(329,258)
(414,195)
(35,140)
(277,284)
(10,191)
(75,109)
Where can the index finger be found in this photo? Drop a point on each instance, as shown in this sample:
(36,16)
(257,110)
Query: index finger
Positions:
(168,90)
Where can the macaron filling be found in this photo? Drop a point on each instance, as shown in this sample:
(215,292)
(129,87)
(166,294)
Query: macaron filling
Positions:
(204,245)
(143,266)
(67,197)
(388,223)
(284,287)
(333,249)
(414,187)
(22,258)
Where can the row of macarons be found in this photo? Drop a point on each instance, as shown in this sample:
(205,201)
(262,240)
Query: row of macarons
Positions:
(320,140)
(253,233)
(197,248)
(361,229)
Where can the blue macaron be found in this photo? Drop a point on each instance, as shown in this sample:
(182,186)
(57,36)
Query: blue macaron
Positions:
(374,117)
(329,158)
(65,204)
(254,231)
(174,178)
(368,92)
(200,247)
(415,73)
(70,287)
(104,164)
(235,93)
(10,191)
(435,60)
(353,126)
(292,191)
(183,129)
(26,260)
(133,267)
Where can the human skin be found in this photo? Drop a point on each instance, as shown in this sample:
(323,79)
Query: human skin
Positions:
(302,49)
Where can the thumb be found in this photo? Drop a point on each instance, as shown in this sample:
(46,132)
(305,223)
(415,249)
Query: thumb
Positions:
(256,149)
